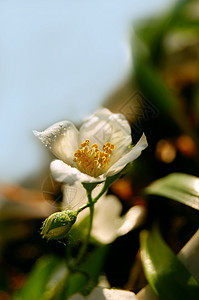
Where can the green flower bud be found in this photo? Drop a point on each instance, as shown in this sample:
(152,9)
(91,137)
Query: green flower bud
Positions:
(58,225)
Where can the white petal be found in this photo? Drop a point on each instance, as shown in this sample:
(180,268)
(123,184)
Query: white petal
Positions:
(96,128)
(103,127)
(100,293)
(132,219)
(82,196)
(130,156)
(106,219)
(121,136)
(62,139)
(107,223)
(114,294)
(74,196)
(64,173)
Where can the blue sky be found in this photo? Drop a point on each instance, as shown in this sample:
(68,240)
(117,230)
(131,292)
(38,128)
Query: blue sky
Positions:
(58,60)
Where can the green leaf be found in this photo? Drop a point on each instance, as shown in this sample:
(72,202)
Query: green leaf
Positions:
(167,276)
(92,266)
(180,187)
(39,278)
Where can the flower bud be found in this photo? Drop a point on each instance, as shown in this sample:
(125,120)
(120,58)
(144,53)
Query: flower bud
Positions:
(57,225)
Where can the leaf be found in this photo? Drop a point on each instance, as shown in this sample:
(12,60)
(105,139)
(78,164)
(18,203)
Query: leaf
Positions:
(39,278)
(167,276)
(180,187)
(93,266)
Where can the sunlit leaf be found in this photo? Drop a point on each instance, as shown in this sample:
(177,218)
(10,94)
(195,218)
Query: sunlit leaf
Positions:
(167,276)
(181,187)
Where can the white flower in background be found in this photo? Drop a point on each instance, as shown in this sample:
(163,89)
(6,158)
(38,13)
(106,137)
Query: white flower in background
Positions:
(100,293)
(100,148)
(107,222)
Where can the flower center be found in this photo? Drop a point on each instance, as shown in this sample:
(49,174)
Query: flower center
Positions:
(91,160)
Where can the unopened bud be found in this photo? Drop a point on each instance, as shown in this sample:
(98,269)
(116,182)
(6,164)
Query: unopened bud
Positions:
(58,225)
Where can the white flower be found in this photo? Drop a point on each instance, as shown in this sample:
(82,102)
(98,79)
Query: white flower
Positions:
(107,223)
(100,293)
(101,147)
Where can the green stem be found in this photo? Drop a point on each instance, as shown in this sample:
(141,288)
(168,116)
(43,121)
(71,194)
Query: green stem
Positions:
(90,204)
(83,207)
(100,194)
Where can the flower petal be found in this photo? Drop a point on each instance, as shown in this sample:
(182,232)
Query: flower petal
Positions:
(120,137)
(100,293)
(62,139)
(130,156)
(103,127)
(132,219)
(74,196)
(64,173)
(96,128)
(106,219)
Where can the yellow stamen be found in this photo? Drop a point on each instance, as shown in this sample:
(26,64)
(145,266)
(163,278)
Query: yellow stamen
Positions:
(94,146)
(91,160)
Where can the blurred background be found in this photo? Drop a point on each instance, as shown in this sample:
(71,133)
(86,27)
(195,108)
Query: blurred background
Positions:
(63,60)
(58,61)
